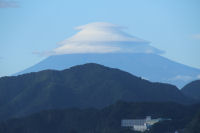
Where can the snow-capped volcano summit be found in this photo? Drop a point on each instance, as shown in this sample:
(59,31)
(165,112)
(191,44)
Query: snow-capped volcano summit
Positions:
(103,37)
(103,32)
(109,45)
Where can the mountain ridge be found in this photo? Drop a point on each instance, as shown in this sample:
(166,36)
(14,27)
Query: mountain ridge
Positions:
(150,66)
(88,85)
(192,90)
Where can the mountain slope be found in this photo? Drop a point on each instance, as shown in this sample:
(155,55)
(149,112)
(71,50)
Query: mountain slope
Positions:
(89,85)
(150,66)
(106,120)
(192,90)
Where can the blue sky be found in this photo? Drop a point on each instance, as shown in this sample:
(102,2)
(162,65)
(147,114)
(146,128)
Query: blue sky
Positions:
(32,26)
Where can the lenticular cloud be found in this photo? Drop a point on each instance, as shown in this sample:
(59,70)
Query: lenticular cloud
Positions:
(103,38)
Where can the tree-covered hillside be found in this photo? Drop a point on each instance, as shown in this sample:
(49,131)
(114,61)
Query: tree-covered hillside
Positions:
(192,90)
(89,85)
(106,120)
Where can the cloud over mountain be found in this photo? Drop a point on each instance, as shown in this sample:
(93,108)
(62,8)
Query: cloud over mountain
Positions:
(101,37)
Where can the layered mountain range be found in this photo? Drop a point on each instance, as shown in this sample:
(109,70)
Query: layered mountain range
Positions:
(108,44)
(96,78)
(83,86)
(149,66)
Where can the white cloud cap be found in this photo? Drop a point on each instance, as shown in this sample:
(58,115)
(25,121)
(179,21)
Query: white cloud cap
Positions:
(103,37)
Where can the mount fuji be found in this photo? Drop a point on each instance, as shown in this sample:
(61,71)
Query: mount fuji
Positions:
(107,44)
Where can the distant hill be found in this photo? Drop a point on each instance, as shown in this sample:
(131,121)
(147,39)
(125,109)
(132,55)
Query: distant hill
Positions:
(192,90)
(106,120)
(89,85)
(150,66)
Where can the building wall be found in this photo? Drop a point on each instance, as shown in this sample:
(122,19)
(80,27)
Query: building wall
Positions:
(127,123)
(139,124)
(141,128)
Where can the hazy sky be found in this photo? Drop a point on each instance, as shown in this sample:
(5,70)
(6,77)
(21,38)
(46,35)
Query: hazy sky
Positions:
(31,26)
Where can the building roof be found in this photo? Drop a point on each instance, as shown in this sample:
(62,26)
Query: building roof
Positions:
(131,122)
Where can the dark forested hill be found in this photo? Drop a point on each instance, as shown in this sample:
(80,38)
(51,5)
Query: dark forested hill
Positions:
(194,125)
(106,120)
(192,90)
(89,85)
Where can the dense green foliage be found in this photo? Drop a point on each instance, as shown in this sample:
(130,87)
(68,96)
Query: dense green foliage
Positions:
(192,90)
(106,120)
(89,85)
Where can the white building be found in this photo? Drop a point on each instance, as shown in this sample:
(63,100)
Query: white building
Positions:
(139,124)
